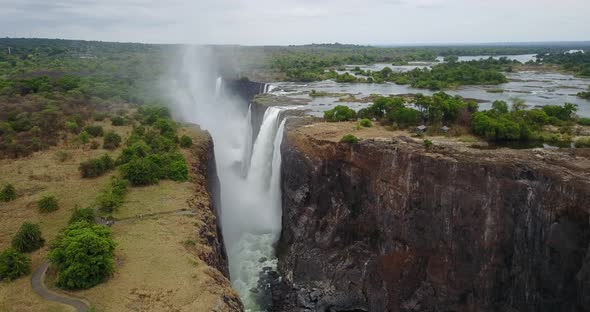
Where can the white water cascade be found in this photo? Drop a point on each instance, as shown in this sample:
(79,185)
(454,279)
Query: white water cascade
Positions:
(248,168)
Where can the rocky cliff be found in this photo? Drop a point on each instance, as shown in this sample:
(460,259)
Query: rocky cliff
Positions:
(210,246)
(390,225)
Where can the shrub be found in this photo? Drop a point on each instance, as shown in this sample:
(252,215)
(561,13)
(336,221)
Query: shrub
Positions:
(584,121)
(94,145)
(111,141)
(98,116)
(8,193)
(94,131)
(96,167)
(112,197)
(84,137)
(141,171)
(83,254)
(72,126)
(349,138)
(186,141)
(13,264)
(339,113)
(82,214)
(28,238)
(118,121)
(366,123)
(48,204)
(177,171)
(62,156)
(583,142)
(427,143)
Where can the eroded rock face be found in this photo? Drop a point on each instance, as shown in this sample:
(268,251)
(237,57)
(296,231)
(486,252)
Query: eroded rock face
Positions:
(391,226)
(206,203)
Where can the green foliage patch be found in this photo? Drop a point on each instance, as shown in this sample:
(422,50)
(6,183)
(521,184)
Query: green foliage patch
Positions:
(28,238)
(48,203)
(83,255)
(7,193)
(13,264)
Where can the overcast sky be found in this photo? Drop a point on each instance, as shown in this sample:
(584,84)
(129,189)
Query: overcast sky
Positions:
(256,22)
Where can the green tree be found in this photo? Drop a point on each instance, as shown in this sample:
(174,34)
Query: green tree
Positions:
(13,264)
(186,141)
(339,113)
(83,254)
(111,140)
(83,214)
(28,238)
(141,171)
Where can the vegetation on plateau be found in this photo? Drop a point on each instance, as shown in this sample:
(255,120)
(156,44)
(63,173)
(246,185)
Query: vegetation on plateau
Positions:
(503,122)
(13,264)
(83,254)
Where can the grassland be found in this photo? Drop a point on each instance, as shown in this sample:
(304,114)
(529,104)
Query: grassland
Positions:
(157,258)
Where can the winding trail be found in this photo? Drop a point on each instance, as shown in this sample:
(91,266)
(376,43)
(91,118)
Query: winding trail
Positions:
(38,278)
(38,284)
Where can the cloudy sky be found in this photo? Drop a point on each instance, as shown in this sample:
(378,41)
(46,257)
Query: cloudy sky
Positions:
(256,22)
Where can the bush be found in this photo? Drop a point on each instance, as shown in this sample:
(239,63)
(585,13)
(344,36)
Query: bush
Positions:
(13,264)
(583,142)
(427,143)
(84,137)
(349,138)
(82,214)
(62,156)
(186,141)
(118,121)
(584,121)
(98,116)
(94,145)
(177,171)
(112,197)
(339,113)
(111,141)
(141,171)
(366,123)
(72,126)
(28,238)
(8,193)
(94,131)
(48,204)
(96,167)
(83,254)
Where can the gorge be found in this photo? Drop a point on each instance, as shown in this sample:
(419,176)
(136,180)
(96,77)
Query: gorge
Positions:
(312,224)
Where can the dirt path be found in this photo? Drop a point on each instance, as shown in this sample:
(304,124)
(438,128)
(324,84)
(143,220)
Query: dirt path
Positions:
(38,284)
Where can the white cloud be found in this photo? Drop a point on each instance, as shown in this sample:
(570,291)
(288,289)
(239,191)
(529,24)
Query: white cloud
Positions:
(298,21)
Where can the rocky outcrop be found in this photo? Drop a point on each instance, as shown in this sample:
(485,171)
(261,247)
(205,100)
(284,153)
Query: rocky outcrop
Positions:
(394,226)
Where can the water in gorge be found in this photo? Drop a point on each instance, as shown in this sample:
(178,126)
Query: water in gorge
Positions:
(248,169)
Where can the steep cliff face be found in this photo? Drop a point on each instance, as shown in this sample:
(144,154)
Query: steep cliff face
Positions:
(393,226)
(210,246)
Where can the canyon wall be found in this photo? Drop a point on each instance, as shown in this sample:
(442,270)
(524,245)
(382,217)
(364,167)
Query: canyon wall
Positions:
(395,226)
(206,202)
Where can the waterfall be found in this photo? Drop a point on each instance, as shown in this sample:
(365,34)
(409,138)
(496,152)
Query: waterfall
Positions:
(268,88)
(262,212)
(248,169)
(218,86)
(248,143)
(260,164)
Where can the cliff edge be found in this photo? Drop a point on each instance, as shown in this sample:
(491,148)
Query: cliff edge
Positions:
(390,224)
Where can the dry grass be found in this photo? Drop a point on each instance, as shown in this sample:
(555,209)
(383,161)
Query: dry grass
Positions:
(155,272)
